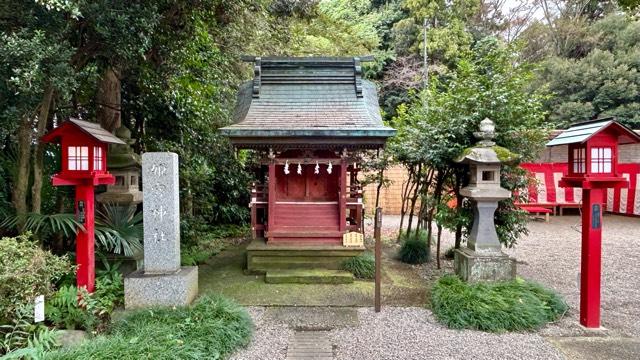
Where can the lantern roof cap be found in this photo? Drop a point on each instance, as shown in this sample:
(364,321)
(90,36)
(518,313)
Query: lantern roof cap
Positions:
(583,131)
(91,129)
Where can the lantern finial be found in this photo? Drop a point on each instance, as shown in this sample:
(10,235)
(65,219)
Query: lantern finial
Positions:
(487,132)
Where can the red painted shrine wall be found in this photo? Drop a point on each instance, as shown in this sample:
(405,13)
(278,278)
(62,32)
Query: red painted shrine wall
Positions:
(306,208)
(308,186)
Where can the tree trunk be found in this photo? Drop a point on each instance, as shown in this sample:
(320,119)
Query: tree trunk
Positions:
(438,245)
(405,200)
(437,196)
(459,199)
(38,154)
(414,198)
(21,180)
(108,99)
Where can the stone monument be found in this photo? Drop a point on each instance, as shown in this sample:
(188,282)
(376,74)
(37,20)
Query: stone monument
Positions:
(162,281)
(483,259)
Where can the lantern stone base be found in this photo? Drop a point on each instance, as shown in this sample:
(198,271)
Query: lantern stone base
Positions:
(173,289)
(473,266)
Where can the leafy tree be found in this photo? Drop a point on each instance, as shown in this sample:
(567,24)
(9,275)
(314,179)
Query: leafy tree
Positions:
(605,82)
(489,83)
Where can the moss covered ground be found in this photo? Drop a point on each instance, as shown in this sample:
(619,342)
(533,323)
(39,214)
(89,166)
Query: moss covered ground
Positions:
(223,274)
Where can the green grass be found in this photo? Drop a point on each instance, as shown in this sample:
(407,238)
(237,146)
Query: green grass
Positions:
(210,329)
(505,306)
(414,248)
(361,266)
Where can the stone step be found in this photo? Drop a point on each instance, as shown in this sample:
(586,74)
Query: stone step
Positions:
(296,263)
(262,257)
(308,276)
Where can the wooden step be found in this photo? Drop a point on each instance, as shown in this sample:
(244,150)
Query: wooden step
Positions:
(308,276)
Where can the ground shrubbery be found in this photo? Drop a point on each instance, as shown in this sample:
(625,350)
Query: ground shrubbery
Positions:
(450,253)
(505,306)
(362,266)
(415,249)
(210,329)
(26,271)
(66,310)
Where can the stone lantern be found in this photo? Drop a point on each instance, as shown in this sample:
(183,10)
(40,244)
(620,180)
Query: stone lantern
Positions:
(483,259)
(125,166)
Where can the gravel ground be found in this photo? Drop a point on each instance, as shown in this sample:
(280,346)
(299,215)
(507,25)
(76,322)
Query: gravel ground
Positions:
(550,255)
(413,333)
(270,339)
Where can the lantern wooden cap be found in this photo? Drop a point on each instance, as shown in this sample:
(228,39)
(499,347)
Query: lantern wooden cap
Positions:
(93,130)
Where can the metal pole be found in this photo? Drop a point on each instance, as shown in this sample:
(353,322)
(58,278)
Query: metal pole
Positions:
(378,250)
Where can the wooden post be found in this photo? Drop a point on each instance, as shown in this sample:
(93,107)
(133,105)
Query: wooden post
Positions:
(378,256)
(342,202)
(271,197)
(85,253)
(254,210)
(590,266)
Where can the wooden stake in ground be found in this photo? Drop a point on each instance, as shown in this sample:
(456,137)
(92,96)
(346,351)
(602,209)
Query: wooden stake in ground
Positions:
(378,251)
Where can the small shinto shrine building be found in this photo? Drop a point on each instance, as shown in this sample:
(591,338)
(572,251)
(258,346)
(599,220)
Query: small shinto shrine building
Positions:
(309,118)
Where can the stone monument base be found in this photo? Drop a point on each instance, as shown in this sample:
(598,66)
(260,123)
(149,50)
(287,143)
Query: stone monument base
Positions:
(472,266)
(176,289)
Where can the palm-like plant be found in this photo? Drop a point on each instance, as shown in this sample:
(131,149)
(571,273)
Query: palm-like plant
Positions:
(119,229)
(43,226)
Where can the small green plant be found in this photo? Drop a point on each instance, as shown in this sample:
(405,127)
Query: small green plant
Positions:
(210,329)
(23,340)
(73,308)
(415,249)
(449,254)
(362,266)
(504,306)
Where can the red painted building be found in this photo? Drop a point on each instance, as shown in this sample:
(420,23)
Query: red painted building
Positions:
(309,119)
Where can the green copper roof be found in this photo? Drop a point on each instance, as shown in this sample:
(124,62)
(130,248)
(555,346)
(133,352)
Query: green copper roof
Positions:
(581,132)
(307,97)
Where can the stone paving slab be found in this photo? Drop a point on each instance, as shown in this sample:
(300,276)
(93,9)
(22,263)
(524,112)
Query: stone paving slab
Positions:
(307,345)
(597,348)
(313,318)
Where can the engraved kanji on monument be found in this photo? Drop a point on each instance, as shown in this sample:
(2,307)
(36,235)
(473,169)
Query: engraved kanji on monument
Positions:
(162,282)
(161,212)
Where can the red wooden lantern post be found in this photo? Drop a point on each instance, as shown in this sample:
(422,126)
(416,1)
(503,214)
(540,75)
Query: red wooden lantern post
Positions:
(593,162)
(84,165)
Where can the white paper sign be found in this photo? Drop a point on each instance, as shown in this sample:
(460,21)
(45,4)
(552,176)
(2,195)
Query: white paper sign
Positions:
(39,309)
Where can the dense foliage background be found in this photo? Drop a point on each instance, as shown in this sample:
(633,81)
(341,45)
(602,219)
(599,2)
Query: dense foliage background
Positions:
(168,71)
